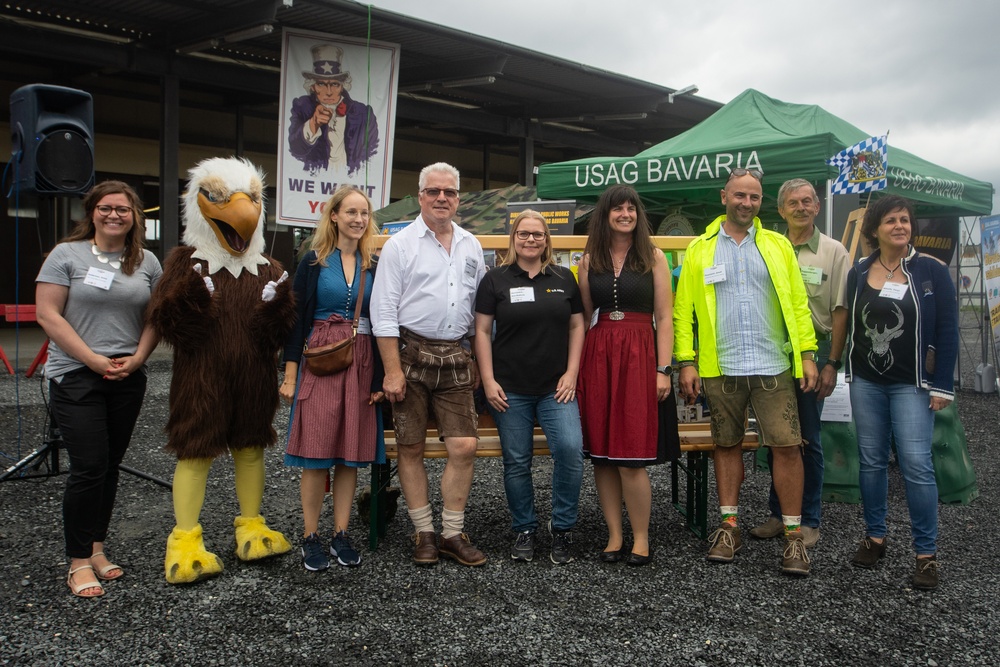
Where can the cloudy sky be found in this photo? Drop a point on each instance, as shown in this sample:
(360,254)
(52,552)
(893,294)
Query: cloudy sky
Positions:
(927,71)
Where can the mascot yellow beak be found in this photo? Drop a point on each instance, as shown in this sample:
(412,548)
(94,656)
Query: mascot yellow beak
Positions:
(233,220)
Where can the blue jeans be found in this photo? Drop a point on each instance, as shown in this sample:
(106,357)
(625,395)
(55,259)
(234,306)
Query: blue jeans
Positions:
(900,413)
(810,409)
(561,424)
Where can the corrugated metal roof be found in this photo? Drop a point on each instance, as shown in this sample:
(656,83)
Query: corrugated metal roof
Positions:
(136,38)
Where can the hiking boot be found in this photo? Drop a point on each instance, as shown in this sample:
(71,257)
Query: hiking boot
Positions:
(342,549)
(869,553)
(562,545)
(460,548)
(810,536)
(770,528)
(795,560)
(314,554)
(925,577)
(523,548)
(724,543)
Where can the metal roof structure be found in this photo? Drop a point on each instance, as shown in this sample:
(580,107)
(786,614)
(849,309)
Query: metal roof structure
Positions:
(206,73)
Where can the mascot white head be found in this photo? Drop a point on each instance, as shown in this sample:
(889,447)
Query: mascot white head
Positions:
(224,214)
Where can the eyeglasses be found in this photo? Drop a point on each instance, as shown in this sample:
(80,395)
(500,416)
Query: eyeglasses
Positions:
(122,211)
(523,235)
(353,213)
(739,172)
(433,193)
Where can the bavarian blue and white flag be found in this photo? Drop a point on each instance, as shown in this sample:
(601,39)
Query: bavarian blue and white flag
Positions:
(863,167)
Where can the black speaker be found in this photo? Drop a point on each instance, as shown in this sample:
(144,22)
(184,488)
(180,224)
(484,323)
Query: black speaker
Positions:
(52,139)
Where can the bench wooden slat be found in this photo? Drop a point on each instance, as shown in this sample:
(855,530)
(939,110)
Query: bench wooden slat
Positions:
(695,437)
(696,445)
(19,312)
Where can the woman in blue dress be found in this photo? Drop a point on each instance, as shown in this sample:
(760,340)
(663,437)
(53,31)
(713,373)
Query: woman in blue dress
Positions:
(334,421)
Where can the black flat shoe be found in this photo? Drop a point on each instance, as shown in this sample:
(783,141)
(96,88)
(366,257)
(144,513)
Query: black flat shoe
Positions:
(636,560)
(613,556)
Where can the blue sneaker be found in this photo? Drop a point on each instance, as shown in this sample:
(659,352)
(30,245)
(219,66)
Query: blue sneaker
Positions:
(342,549)
(313,554)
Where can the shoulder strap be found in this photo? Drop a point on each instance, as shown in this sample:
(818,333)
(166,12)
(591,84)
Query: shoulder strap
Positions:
(361,298)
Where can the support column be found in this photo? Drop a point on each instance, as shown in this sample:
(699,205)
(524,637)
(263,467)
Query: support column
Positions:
(486,166)
(239,131)
(526,157)
(169,149)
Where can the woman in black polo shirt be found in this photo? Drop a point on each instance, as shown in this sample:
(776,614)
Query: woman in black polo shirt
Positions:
(529,371)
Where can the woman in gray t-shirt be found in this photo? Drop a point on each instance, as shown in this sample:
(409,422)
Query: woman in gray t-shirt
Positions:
(91,296)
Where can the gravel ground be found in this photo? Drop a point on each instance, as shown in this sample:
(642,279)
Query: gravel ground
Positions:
(680,610)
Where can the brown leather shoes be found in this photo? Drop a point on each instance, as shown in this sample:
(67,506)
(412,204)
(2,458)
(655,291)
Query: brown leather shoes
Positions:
(460,548)
(425,550)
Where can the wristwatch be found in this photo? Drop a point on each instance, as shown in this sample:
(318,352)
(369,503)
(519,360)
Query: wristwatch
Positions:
(666,370)
(836,363)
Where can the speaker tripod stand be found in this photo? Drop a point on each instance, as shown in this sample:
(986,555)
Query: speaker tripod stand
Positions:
(35,460)
(50,450)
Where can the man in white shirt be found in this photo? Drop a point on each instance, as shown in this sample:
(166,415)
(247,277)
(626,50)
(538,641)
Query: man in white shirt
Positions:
(422,307)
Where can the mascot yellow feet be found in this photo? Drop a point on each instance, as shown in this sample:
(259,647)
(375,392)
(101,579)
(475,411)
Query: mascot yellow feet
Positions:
(254,540)
(187,560)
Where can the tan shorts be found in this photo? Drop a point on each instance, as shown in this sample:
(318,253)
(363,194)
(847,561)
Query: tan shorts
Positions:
(438,377)
(774,403)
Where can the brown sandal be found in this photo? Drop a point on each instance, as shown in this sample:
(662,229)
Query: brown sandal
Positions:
(77,588)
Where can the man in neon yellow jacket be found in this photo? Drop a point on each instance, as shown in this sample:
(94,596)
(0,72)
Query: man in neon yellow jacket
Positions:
(740,285)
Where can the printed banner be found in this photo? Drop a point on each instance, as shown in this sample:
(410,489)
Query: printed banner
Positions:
(338,121)
(990,234)
(559,215)
(937,237)
(863,167)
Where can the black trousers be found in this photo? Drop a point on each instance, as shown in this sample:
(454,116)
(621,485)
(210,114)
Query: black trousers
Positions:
(96,418)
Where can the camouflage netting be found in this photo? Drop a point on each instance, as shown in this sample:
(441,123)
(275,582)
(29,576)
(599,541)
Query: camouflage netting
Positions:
(483,212)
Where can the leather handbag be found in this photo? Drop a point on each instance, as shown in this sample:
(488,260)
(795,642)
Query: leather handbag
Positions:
(336,357)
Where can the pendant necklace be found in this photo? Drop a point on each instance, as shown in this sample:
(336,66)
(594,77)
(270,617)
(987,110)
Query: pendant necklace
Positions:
(889,272)
(114,262)
(617,315)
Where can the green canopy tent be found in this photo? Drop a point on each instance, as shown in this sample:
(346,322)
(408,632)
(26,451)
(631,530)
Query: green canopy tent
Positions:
(755,131)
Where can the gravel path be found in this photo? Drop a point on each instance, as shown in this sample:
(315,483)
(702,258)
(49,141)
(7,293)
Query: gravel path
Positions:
(680,610)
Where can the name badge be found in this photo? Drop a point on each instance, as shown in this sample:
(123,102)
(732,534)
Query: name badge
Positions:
(593,318)
(364,325)
(100,278)
(812,275)
(894,291)
(470,267)
(715,274)
(522,294)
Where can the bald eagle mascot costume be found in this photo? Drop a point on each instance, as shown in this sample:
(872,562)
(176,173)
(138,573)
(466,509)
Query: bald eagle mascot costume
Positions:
(226,309)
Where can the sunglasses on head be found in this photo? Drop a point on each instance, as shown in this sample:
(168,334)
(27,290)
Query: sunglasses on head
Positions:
(739,172)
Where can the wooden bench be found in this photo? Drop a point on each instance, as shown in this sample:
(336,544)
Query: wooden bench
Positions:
(696,448)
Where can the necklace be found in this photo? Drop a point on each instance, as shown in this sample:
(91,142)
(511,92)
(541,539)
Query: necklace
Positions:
(617,315)
(115,262)
(618,266)
(889,272)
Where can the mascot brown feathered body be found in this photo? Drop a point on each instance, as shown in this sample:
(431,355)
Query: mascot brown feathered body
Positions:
(225,308)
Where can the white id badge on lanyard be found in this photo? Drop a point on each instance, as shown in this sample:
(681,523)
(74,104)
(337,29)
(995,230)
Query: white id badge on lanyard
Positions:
(715,274)
(100,278)
(895,291)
